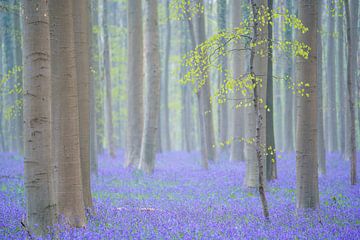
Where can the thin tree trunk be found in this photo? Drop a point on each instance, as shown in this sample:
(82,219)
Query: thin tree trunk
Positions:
(331,84)
(237,146)
(288,116)
(19,79)
(258,69)
(223,61)
(207,122)
(307,192)
(82,57)
(109,128)
(152,76)
(352,36)
(94,75)
(342,85)
(320,120)
(38,175)
(65,116)
(167,140)
(271,171)
(135,84)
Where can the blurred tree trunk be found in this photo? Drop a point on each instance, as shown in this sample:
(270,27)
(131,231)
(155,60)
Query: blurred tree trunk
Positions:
(9,63)
(95,73)
(223,61)
(81,10)
(166,76)
(109,128)
(38,175)
(352,10)
(331,84)
(342,102)
(65,115)
(307,192)
(152,76)
(135,84)
(238,62)
(271,171)
(320,112)
(288,130)
(2,98)
(205,107)
(18,79)
(186,96)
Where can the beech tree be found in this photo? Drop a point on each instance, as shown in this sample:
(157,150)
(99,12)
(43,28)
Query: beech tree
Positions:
(307,192)
(65,115)
(38,162)
(135,84)
(82,58)
(352,10)
(152,76)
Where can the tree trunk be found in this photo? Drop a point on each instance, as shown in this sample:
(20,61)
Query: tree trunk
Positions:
(19,79)
(258,69)
(94,75)
(271,171)
(258,112)
(223,61)
(70,203)
(237,146)
(167,140)
(38,176)
(342,101)
(152,76)
(9,62)
(207,123)
(307,192)
(82,57)
(288,116)
(109,128)
(352,36)
(135,84)
(331,84)
(320,120)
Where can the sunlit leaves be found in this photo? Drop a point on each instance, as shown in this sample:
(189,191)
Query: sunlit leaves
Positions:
(204,57)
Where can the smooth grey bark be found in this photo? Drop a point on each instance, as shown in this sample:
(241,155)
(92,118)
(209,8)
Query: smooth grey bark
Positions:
(109,127)
(186,97)
(9,64)
(135,84)
(342,101)
(38,174)
(320,121)
(307,192)
(94,75)
(331,84)
(200,119)
(258,69)
(205,107)
(65,116)
(256,122)
(223,61)
(19,77)
(289,103)
(237,146)
(152,76)
(166,78)
(271,170)
(82,58)
(352,11)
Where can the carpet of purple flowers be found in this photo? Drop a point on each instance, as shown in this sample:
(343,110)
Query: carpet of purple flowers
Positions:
(181,201)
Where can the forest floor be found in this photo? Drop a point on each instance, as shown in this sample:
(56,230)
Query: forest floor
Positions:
(181,201)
